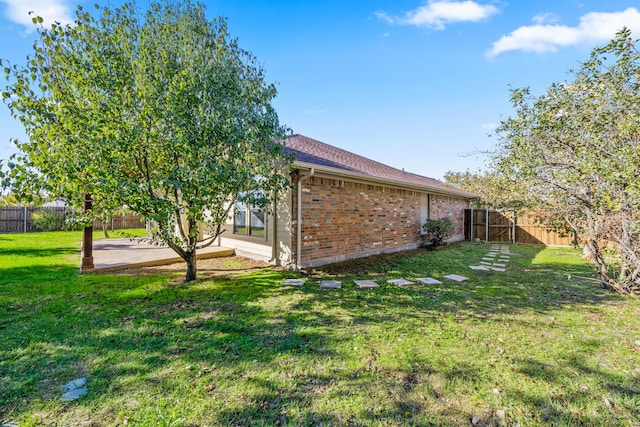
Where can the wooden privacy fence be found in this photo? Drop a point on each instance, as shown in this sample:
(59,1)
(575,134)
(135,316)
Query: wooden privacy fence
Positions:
(511,227)
(17,219)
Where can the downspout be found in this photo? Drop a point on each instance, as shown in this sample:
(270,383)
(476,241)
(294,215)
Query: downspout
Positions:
(299,219)
(274,240)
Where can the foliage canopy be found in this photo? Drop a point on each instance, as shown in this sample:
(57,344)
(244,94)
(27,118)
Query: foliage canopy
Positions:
(576,148)
(165,114)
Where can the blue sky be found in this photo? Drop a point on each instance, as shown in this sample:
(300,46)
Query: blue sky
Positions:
(413,84)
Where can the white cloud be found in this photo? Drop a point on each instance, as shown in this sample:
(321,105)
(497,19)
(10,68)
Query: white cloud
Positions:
(543,37)
(488,126)
(436,14)
(545,18)
(50,11)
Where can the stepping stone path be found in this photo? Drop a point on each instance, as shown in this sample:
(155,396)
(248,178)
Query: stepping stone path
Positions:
(400,282)
(366,284)
(495,260)
(456,278)
(74,389)
(330,284)
(428,281)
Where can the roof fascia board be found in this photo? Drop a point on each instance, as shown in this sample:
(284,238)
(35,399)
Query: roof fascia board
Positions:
(359,176)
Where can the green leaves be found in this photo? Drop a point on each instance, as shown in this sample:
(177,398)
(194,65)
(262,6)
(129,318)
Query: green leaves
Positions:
(160,111)
(577,148)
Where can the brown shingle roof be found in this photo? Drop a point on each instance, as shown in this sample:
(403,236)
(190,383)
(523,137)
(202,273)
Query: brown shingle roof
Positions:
(318,153)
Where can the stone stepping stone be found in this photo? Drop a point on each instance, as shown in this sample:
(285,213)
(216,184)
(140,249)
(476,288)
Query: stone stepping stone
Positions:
(330,284)
(456,278)
(366,284)
(486,263)
(400,282)
(502,270)
(496,264)
(488,259)
(74,389)
(428,281)
(479,267)
(293,282)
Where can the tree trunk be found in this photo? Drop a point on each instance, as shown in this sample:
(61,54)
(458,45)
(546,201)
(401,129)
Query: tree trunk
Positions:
(601,266)
(105,230)
(192,267)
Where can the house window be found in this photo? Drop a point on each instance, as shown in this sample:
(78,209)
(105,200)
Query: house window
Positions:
(248,220)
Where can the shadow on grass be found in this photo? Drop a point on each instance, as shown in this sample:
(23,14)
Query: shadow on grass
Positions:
(205,337)
(38,252)
(523,287)
(33,278)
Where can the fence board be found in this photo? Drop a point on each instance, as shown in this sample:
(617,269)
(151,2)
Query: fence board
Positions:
(496,226)
(13,219)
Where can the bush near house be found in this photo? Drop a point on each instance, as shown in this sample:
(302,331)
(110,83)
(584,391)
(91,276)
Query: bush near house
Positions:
(437,231)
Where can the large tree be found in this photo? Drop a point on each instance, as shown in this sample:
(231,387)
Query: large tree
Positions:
(493,190)
(577,147)
(164,113)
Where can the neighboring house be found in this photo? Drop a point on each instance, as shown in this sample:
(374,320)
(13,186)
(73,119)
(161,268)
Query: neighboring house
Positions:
(342,206)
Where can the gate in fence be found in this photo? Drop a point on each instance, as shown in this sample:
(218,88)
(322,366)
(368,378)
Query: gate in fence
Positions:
(511,227)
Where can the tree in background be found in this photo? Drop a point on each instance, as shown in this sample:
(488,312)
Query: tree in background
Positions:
(165,114)
(577,148)
(494,191)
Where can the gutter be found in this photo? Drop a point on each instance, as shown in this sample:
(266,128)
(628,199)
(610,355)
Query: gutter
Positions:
(371,178)
(301,178)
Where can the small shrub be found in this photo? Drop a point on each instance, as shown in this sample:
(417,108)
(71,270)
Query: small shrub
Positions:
(47,219)
(437,230)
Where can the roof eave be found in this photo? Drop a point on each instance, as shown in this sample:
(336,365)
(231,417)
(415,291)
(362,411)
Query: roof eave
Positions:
(371,178)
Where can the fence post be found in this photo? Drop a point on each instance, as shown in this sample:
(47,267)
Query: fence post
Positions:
(471,221)
(25,219)
(486,227)
(515,218)
(87,239)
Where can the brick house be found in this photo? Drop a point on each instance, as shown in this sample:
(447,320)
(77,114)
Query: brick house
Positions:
(342,206)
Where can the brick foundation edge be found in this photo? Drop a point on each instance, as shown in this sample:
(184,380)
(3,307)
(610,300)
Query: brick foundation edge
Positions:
(347,257)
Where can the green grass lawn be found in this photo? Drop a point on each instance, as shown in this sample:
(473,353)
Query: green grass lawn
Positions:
(538,345)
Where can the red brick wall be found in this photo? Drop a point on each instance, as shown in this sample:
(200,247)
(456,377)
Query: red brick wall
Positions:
(441,207)
(344,219)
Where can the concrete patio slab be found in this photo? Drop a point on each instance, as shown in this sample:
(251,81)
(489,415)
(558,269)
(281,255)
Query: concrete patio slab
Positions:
(121,254)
